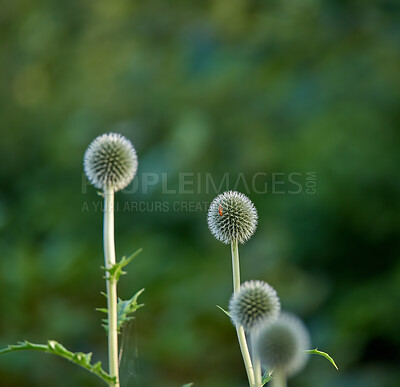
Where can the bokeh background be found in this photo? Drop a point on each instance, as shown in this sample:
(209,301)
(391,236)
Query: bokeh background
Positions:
(223,90)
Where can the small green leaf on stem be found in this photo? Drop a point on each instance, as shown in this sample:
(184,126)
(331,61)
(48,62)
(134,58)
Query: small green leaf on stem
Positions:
(225,311)
(125,309)
(188,385)
(324,354)
(116,270)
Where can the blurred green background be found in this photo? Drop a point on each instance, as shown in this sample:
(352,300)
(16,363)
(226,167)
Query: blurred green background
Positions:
(223,89)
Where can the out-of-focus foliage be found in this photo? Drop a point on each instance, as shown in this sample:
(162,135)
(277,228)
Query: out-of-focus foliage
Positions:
(248,91)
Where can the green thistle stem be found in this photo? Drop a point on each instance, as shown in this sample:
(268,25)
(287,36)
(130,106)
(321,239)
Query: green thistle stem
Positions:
(256,363)
(109,258)
(239,329)
(278,379)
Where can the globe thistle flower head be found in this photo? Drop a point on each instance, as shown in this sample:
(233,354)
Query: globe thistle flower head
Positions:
(232,217)
(280,344)
(255,301)
(110,161)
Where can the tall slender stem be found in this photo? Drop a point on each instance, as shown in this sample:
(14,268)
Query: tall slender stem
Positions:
(256,362)
(109,258)
(235,266)
(278,379)
(239,329)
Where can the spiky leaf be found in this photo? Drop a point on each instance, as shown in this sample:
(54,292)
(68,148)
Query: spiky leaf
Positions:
(116,270)
(55,348)
(125,309)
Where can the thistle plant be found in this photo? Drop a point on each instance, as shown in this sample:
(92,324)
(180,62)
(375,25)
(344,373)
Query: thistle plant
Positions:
(278,341)
(255,301)
(110,164)
(232,219)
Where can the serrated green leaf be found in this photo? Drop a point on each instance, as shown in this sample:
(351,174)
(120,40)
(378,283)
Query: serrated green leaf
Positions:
(116,270)
(55,348)
(125,309)
(324,354)
(225,311)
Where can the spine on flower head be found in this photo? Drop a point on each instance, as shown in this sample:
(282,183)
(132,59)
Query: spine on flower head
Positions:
(110,161)
(256,301)
(232,217)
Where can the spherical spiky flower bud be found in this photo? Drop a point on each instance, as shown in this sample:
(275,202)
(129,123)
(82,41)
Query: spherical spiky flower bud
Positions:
(280,344)
(232,217)
(255,301)
(110,161)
